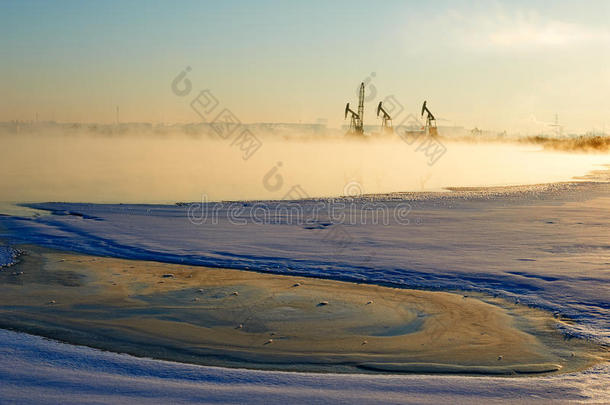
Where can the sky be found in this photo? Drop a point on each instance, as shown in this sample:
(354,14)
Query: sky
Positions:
(495,65)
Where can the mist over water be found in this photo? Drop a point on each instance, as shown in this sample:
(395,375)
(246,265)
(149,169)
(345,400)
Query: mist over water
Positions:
(136,168)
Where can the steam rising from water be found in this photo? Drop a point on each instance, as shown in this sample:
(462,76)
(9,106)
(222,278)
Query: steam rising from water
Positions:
(178,167)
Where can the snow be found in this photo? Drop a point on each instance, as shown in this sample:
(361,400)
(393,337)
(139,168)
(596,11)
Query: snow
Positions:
(546,246)
(542,246)
(36,370)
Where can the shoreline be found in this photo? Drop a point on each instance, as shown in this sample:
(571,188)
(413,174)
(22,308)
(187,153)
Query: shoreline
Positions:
(592,178)
(234,318)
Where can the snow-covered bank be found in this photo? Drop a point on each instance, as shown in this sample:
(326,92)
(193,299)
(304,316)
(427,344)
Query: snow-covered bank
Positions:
(543,246)
(36,370)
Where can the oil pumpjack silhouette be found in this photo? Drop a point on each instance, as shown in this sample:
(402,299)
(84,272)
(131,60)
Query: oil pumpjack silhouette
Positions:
(386,120)
(356,126)
(430,127)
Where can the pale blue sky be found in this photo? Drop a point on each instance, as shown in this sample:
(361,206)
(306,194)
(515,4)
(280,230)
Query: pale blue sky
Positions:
(501,65)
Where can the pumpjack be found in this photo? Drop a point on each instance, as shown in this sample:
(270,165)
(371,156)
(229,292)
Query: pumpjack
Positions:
(386,120)
(430,128)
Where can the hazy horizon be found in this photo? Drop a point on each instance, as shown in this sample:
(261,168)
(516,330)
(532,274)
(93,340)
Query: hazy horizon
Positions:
(498,65)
